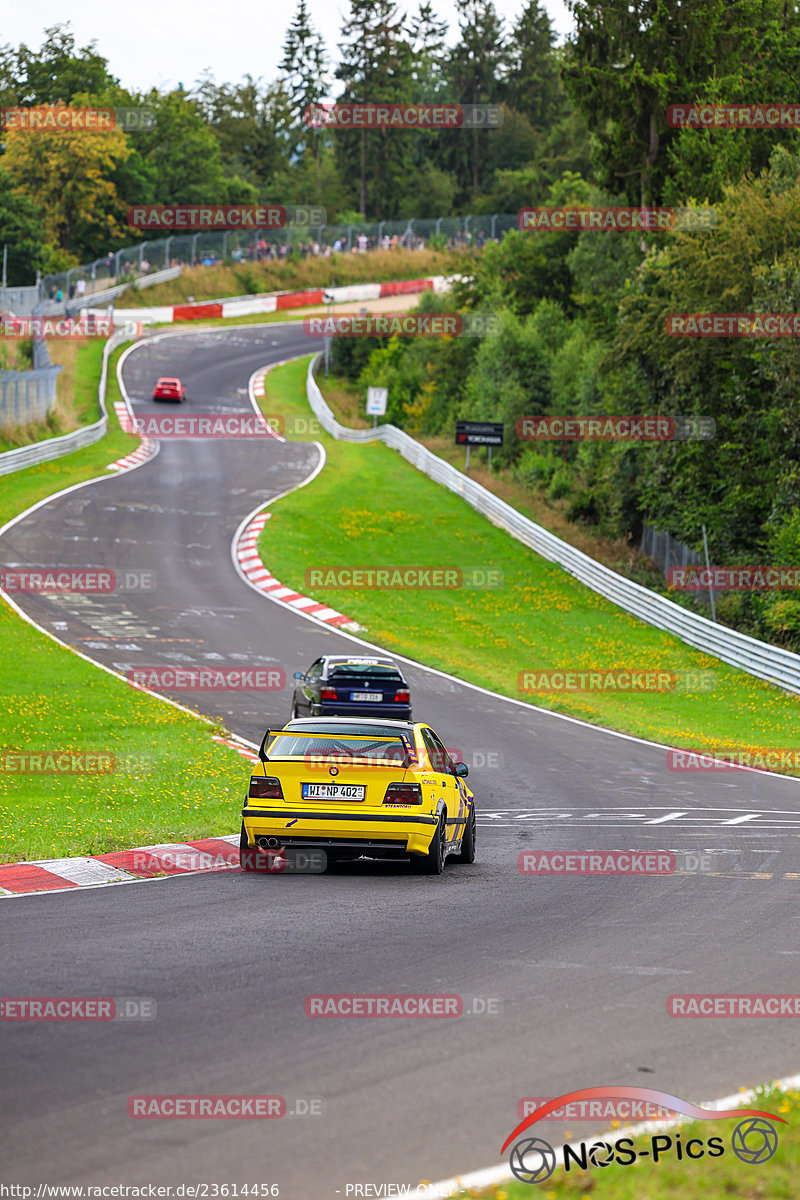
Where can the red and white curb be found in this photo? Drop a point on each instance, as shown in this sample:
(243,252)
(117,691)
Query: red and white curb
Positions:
(201,310)
(126,866)
(120,866)
(250,755)
(249,560)
(141,455)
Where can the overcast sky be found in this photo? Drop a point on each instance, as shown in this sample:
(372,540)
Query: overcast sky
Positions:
(157,44)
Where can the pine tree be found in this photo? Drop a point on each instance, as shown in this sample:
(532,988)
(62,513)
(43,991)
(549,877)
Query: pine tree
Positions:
(375,66)
(304,69)
(427,34)
(477,69)
(534,87)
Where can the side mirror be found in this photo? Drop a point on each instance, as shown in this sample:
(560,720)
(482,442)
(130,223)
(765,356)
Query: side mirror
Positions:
(461,770)
(299,675)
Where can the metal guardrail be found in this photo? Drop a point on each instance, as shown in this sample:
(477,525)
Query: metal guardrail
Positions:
(771,663)
(68,443)
(51,308)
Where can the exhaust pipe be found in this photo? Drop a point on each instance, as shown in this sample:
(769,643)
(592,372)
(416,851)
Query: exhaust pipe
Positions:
(267,843)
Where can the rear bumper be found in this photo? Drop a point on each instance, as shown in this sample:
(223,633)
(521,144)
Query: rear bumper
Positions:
(404,831)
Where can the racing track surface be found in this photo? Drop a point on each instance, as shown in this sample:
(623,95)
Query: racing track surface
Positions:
(582,967)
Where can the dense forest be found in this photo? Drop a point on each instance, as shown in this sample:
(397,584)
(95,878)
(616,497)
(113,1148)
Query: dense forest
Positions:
(583,314)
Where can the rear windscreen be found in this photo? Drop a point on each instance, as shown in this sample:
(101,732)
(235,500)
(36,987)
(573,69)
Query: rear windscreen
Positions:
(391,751)
(370,671)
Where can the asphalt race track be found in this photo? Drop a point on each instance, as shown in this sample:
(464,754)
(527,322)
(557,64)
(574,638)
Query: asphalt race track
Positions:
(580,969)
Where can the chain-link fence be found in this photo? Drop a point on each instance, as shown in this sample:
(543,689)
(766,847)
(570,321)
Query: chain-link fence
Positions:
(134,263)
(666,551)
(19,300)
(27,396)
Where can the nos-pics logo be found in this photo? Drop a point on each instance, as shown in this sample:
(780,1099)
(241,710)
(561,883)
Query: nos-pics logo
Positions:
(533,1160)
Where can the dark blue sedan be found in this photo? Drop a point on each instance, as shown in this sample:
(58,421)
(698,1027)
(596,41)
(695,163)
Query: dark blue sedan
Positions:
(349,685)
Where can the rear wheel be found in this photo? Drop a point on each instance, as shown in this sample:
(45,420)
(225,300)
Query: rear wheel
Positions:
(467,852)
(247,854)
(433,861)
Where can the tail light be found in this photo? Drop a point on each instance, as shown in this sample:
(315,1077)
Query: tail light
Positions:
(403,793)
(328,694)
(402,697)
(264,787)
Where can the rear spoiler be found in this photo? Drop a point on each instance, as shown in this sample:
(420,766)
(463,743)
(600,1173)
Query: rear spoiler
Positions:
(267,738)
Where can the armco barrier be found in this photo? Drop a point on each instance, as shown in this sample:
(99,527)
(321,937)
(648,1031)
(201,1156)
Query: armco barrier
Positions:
(777,666)
(68,443)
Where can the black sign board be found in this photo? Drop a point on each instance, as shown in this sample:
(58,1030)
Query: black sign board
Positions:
(479,433)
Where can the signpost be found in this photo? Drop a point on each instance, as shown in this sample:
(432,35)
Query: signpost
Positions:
(376,403)
(327,299)
(479,433)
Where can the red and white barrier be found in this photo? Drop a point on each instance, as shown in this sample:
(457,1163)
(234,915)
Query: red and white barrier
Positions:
(275,302)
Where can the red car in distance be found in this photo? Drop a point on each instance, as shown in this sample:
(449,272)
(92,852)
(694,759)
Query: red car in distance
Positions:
(169,389)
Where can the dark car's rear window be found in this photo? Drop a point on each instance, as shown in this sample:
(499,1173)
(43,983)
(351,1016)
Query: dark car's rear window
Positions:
(364,671)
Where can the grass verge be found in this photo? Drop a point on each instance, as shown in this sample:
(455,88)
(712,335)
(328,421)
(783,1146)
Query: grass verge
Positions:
(171,781)
(670,1177)
(370,508)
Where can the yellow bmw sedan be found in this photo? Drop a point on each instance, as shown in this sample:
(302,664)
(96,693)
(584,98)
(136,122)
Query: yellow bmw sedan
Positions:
(351,787)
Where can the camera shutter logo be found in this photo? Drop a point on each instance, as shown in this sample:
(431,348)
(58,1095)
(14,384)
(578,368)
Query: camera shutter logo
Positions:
(754,1141)
(532,1160)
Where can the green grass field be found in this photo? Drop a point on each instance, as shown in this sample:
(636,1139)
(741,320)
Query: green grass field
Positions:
(171,781)
(370,508)
(671,1178)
